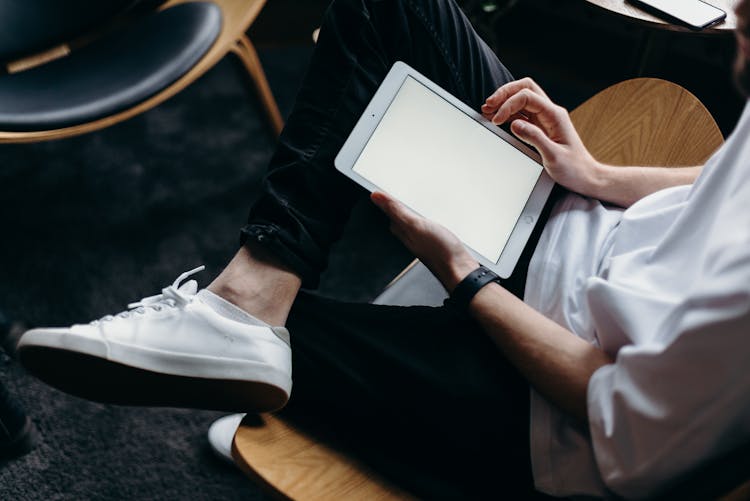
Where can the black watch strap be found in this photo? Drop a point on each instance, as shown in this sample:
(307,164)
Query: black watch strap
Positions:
(468,287)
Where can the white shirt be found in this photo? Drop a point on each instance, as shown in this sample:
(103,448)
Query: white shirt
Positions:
(664,286)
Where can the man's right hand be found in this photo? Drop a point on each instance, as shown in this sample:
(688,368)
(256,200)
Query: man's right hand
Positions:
(546,126)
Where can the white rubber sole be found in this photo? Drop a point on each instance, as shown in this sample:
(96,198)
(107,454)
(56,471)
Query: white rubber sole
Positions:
(106,371)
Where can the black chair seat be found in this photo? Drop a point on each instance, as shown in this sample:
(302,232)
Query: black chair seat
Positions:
(30,26)
(113,73)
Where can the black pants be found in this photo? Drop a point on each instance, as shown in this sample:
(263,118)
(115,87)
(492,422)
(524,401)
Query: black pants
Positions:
(423,394)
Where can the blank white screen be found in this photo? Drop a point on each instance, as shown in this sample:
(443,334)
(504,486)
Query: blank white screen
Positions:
(691,11)
(447,167)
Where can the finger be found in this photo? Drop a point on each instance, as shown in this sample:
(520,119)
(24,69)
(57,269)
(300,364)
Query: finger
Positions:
(517,116)
(381,200)
(497,98)
(534,136)
(395,210)
(525,102)
(520,116)
(487,108)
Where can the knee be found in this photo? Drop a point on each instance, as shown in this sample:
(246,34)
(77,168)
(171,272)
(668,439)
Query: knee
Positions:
(432,12)
(386,15)
(366,7)
(341,14)
(344,16)
(348,5)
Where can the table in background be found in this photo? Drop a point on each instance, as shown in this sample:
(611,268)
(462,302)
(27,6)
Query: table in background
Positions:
(626,9)
(653,25)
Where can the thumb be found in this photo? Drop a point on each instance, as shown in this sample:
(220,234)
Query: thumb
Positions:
(530,133)
(394,209)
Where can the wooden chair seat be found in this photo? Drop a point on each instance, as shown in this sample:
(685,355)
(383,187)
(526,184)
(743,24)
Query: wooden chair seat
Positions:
(291,465)
(642,121)
(647,121)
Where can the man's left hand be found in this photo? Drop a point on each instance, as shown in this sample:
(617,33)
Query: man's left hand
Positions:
(439,249)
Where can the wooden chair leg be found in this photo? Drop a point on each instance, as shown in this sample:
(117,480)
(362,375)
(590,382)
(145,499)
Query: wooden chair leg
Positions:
(246,52)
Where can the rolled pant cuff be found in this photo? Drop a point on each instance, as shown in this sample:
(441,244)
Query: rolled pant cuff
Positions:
(272,239)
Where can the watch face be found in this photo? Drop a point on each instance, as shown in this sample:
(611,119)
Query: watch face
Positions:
(469,287)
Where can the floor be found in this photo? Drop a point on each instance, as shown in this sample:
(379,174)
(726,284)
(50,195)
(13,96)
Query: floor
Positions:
(94,222)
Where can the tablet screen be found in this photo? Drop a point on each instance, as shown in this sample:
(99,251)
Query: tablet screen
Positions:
(449,168)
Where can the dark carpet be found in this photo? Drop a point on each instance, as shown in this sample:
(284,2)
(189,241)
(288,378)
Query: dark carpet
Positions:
(94,222)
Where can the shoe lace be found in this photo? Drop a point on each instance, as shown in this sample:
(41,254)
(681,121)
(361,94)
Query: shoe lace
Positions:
(171,297)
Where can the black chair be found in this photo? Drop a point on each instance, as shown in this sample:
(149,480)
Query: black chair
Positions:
(81,65)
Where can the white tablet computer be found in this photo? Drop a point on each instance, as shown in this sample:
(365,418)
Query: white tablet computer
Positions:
(446,162)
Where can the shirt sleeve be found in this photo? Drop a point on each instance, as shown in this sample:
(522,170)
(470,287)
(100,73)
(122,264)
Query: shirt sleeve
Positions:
(666,406)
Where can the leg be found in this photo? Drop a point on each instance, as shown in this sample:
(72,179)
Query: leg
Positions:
(173,349)
(305,202)
(424,395)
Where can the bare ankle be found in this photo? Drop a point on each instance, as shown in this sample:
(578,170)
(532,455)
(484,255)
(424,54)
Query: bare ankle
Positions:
(259,284)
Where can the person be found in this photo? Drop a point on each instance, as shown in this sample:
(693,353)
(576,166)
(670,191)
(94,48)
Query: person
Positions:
(632,331)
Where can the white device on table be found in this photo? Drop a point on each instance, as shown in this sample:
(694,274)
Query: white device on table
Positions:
(448,163)
(694,13)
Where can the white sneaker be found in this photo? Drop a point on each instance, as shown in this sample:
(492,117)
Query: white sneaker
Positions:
(221,435)
(176,349)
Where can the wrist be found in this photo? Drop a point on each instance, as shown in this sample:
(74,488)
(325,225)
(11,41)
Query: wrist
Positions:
(600,176)
(462,295)
(459,269)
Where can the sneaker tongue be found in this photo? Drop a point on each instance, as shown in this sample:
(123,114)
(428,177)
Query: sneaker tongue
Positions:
(190,287)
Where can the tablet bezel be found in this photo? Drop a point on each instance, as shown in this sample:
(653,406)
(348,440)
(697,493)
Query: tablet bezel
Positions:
(369,121)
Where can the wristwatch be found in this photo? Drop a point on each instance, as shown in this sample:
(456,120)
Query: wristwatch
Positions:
(469,287)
